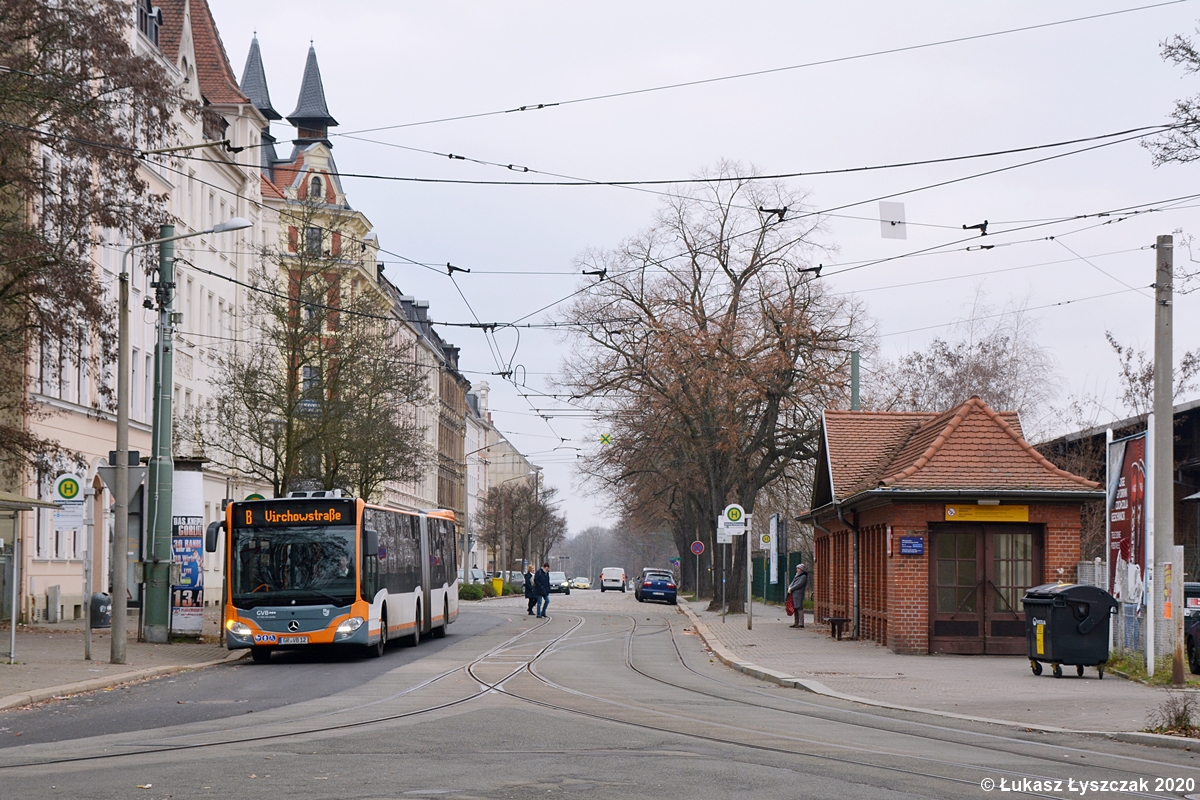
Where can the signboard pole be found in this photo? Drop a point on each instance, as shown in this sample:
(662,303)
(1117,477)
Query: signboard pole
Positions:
(697,577)
(725,559)
(88,511)
(749,581)
(16,582)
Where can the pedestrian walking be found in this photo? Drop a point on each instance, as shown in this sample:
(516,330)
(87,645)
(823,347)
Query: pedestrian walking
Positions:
(541,583)
(796,589)
(530,589)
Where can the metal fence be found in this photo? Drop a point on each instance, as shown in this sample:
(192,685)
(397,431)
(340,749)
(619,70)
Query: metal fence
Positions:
(763,589)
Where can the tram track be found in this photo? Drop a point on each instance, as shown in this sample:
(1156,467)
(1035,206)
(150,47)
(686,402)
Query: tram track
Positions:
(641,707)
(879,718)
(485,689)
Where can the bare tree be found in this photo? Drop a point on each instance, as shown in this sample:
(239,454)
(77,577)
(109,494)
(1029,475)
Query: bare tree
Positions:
(325,393)
(712,348)
(76,103)
(520,523)
(996,356)
(1137,375)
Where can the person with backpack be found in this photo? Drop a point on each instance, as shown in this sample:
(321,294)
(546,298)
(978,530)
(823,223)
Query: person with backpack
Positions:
(530,591)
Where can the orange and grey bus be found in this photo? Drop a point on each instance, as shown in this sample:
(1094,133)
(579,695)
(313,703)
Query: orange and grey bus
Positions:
(311,569)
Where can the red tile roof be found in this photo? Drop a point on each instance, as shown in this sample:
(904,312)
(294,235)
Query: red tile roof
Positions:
(218,84)
(172,28)
(269,189)
(213,72)
(971,447)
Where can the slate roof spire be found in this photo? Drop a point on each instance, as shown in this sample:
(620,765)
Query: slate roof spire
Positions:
(254,82)
(311,117)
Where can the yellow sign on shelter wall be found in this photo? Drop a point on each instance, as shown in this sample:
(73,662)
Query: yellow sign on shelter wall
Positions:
(976,513)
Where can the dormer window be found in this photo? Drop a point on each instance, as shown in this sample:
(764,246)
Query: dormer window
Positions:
(314,191)
(149,20)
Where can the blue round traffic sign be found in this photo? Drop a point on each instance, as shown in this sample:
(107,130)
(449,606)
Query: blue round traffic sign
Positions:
(697,548)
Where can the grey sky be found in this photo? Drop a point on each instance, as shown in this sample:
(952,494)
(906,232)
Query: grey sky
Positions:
(388,63)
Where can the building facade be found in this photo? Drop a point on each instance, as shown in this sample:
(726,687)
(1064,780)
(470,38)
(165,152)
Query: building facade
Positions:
(202,187)
(930,527)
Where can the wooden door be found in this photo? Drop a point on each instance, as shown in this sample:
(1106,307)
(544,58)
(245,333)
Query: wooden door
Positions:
(956,583)
(1013,558)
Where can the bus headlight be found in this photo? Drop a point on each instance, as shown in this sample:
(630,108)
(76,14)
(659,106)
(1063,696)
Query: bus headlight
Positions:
(238,628)
(349,626)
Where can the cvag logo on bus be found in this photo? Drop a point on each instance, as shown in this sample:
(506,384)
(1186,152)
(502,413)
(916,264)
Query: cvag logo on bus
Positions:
(264,612)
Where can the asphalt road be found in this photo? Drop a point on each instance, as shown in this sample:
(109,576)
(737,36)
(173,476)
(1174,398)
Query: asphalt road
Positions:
(607,698)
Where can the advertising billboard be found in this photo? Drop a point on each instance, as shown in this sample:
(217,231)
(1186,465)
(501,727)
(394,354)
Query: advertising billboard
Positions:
(1127,519)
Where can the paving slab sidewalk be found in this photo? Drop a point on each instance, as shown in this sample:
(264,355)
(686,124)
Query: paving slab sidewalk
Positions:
(50,661)
(999,689)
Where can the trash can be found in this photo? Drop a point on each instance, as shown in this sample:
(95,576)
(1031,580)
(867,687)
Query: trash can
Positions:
(1066,623)
(101,610)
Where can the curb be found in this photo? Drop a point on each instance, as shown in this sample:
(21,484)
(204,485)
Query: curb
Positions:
(792,682)
(94,684)
(1156,740)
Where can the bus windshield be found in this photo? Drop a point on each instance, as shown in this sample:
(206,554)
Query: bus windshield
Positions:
(300,565)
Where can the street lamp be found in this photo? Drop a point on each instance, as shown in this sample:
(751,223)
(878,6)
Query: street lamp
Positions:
(120,546)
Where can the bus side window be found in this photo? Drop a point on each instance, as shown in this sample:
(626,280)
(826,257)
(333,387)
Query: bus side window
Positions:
(370,572)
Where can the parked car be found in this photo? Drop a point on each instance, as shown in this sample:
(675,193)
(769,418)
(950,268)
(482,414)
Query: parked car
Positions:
(1191,603)
(612,578)
(581,583)
(637,585)
(657,585)
(559,583)
(1192,645)
(473,576)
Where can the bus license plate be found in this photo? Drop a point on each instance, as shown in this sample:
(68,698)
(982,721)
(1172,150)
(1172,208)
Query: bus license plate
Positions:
(293,640)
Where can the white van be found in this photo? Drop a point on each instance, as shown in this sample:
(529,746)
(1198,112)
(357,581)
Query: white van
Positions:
(612,578)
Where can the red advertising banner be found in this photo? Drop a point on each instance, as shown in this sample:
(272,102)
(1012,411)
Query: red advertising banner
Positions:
(1127,519)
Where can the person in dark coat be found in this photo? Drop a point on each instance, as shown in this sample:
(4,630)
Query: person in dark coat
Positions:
(541,584)
(797,589)
(530,591)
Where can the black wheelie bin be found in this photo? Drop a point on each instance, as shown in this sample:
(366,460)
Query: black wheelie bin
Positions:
(1066,623)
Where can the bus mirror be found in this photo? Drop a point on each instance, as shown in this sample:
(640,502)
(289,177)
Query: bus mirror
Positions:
(370,543)
(210,536)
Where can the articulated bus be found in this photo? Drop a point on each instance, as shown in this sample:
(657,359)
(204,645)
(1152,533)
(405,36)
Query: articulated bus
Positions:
(312,569)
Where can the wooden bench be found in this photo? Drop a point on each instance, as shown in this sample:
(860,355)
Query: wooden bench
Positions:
(836,624)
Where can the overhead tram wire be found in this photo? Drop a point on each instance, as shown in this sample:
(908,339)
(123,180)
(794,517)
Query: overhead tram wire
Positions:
(1151,130)
(923,251)
(570,180)
(1015,311)
(943,183)
(773,70)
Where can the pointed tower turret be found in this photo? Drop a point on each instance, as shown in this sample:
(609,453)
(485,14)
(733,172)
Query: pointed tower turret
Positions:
(311,117)
(254,86)
(254,82)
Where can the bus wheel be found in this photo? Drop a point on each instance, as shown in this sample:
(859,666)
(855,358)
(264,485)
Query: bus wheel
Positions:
(376,650)
(415,638)
(261,655)
(440,632)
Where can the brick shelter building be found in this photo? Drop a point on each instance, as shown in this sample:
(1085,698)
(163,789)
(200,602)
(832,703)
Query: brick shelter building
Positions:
(930,527)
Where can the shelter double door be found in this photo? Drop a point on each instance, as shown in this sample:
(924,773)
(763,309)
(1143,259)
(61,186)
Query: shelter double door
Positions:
(978,575)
